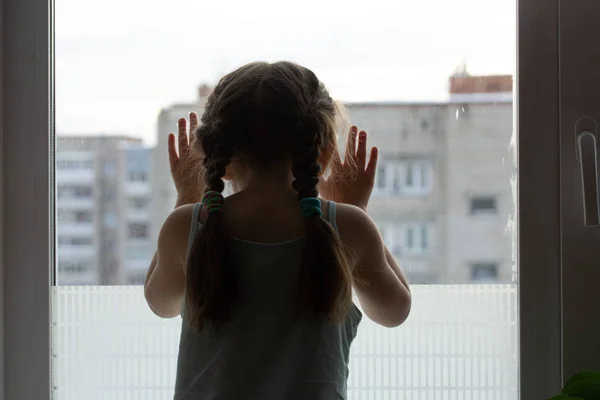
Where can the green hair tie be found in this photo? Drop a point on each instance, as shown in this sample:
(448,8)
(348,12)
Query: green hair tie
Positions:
(212,201)
(311,206)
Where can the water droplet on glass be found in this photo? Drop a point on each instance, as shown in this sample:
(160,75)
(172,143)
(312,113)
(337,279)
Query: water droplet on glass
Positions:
(503,161)
(457,114)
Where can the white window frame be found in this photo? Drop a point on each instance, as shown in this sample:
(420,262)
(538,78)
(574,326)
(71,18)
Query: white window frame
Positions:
(550,350)
(396,171)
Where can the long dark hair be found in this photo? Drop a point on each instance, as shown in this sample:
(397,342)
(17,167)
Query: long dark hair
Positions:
(258,111)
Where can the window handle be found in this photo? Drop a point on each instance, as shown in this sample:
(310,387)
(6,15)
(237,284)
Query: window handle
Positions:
(587,152)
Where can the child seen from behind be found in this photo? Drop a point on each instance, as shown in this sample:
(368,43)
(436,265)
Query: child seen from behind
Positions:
(263,279)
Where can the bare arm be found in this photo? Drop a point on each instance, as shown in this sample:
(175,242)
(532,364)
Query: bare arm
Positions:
(152,266)
(165,281)
(381,286)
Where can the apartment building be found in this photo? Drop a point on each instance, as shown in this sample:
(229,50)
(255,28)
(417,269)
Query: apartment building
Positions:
(443,199)
(102,210)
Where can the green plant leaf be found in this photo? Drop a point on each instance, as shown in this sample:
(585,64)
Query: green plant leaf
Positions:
(585,384)
(566,397)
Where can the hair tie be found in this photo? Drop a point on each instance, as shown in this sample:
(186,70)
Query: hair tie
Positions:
(311,206)
(212,201)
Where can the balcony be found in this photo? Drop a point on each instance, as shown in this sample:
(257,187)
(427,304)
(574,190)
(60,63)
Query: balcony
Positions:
(460,343)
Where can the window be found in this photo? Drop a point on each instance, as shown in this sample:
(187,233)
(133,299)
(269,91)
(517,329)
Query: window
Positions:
(484,273)
(418,177)
(74,240)
(138,231)
(417,238)
(75,266)
(405,239)
(381,177)
(72,191)
(83,216)
(137,176)
(404,177)
(138,203)
(483,205)
(73,164)
(30,162)
(70,216)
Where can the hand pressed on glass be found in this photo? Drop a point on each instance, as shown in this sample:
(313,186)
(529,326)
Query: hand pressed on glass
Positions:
(185,163)
(352,180)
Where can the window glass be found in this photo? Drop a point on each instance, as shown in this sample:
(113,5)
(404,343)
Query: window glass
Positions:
(483,205)
(430,81)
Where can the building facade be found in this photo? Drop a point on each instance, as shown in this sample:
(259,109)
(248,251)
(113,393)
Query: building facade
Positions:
(443,198)
(102,210)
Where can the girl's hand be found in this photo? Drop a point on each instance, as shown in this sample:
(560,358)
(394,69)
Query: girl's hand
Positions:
(352,181)
(186,165)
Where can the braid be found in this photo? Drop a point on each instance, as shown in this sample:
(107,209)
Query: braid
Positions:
(324,286)
(305,166)
(211,284)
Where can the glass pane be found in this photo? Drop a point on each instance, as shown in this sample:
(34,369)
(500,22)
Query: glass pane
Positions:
(432,83)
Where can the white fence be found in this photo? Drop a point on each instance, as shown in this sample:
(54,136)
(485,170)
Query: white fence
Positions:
(460,343)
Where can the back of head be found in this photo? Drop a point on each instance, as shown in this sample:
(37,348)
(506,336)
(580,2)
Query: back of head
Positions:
(267,114)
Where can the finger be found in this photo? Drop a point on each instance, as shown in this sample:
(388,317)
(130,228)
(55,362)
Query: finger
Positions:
(193,117)
(182,135)
(361,152)
(372,166)
(351,144)
(173,156)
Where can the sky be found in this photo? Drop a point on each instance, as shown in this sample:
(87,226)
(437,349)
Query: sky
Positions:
(119,62)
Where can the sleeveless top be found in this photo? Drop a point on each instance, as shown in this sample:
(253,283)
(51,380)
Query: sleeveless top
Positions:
(264,352)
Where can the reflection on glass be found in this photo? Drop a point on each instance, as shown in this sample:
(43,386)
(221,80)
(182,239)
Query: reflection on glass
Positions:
(442,196)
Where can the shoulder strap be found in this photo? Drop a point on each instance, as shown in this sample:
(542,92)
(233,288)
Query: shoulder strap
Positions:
(194,228)
(331,215)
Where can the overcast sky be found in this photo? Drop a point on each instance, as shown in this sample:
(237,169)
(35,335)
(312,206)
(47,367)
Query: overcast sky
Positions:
(118,62)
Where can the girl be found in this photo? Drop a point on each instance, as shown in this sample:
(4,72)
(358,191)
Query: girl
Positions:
(264,278)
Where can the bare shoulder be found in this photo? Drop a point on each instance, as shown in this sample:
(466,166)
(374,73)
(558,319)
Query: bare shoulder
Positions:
(355,227)
(176,228)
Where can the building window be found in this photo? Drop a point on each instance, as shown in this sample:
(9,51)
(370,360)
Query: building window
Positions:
(83,216)
(70,191)
(416,238)
(484,273)
(483,205)
(82,191)
(137,176)
(381,177)
(407,177)
(138,231)
(67,216)
(75,266)
(74,164)
(402,239)
(74,240)
(418,177)
(138,203)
